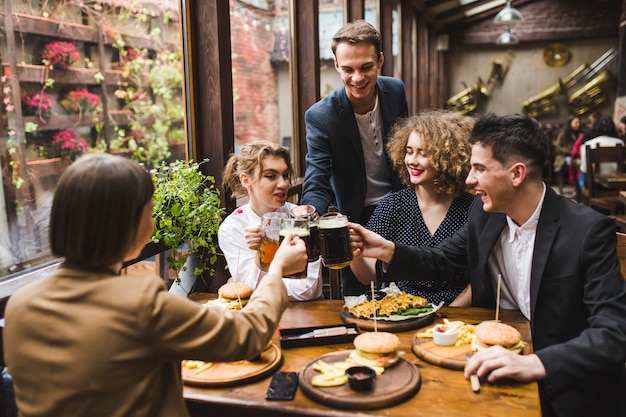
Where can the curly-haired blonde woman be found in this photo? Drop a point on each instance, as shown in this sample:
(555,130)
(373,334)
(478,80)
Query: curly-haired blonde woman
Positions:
(431,154)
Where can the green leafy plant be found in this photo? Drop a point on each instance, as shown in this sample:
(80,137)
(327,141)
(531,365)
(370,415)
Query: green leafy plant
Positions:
(187,211)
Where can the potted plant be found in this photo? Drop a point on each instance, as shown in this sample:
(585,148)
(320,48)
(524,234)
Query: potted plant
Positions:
(37,103)
(187,212)
(59,54)
(69,144)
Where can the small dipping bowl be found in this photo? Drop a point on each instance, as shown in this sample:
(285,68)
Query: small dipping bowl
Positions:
(443,336)
(360,378)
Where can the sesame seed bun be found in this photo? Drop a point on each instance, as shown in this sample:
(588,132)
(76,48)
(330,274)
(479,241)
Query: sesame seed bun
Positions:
(234,290)
(495,333)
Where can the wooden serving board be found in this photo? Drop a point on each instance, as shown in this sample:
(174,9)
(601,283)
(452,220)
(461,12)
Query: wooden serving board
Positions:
(450,357)
(397,384)
(233,373)
(385,325)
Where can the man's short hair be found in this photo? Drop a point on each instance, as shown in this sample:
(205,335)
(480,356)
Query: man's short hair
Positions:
(357,32)
(512,136)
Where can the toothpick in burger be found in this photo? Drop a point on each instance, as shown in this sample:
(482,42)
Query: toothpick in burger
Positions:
(376,349)
(492,333)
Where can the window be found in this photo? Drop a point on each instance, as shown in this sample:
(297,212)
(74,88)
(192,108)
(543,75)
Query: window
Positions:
(92,76)
(262,96)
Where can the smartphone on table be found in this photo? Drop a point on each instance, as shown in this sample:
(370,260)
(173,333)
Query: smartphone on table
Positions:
(282,386)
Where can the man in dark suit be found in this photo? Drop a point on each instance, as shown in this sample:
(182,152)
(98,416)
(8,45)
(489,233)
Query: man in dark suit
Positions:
(347,164)
(558,266)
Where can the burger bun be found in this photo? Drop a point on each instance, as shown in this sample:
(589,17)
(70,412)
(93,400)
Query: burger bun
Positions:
(234,290)
(376,349)
(492,333)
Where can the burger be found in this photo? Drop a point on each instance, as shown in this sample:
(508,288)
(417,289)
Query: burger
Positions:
(376,349)
(233,295)
(492,333)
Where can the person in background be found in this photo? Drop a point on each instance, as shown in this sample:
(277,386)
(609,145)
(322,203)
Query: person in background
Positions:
(346,133)
(431,154)
(621,128)
(574,171)
(86,340)
(263,172)
(557,263)
(603,133)
(563,144)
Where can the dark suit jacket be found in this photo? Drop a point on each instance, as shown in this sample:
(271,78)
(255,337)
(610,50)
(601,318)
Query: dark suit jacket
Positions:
(577,293)
(335,167)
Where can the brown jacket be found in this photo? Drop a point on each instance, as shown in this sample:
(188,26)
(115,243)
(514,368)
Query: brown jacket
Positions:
(90,344)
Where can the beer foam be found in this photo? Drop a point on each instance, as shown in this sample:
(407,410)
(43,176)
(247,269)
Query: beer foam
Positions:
(299,232)
(332,223)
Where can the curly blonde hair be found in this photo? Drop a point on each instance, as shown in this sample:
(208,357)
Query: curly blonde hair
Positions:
(252,155)
(445,142)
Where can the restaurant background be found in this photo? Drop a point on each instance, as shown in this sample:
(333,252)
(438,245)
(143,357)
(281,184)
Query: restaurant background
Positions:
(252,77)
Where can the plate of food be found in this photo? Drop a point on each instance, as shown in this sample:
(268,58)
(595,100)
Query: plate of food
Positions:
(395,310)
(231,296)
(469,339)
(219,374)
(324,379)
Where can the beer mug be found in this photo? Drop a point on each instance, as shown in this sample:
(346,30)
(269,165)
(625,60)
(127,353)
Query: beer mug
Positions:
(270,237)
(334,240)
(300,227)
(312,246)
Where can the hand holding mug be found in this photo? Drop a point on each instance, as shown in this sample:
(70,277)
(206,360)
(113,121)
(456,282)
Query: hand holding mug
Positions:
(290,257)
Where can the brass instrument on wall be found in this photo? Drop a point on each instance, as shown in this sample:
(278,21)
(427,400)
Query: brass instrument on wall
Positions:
(590,95)
(466,101)
(543,103)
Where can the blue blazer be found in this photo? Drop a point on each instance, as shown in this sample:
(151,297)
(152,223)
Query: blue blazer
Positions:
(577,297)
(335,166)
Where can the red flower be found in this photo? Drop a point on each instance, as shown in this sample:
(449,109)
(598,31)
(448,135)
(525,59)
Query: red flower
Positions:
(60,54)
(37,102)
(70,144)
(82,100)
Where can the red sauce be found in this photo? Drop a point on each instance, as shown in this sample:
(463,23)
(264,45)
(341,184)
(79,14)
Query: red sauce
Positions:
(441,329)
(360,375)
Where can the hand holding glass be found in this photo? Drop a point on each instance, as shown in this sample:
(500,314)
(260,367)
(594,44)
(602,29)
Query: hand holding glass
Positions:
(299,227)
(270,237)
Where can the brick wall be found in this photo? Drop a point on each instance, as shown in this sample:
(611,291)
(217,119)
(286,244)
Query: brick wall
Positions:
(254,81)
(551,20)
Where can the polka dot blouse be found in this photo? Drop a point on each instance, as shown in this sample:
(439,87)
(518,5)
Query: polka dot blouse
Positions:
(398,218)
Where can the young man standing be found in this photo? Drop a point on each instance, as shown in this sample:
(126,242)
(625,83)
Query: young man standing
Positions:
(347,165)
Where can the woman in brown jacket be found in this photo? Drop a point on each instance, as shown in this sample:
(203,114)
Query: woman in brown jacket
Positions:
(86,341)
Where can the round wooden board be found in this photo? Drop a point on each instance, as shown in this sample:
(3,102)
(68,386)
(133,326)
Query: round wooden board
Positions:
(396,384)
(385,325)
(233,373)
(450,357)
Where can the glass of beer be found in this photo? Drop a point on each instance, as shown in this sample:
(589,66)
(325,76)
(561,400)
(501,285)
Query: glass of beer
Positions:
(270,237)
(300,227)
(309,213)
(334,240)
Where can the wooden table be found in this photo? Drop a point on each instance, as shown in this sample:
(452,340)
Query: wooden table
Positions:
(612,181)
(443,392)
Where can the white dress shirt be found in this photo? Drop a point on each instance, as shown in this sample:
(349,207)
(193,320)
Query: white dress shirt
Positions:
(241,262)
(512,258)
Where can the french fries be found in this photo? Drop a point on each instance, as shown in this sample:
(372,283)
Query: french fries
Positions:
(334,374)
(198,366)
(465,331)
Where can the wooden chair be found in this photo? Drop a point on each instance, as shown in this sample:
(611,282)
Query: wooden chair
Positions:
(593,194)
(621,252)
